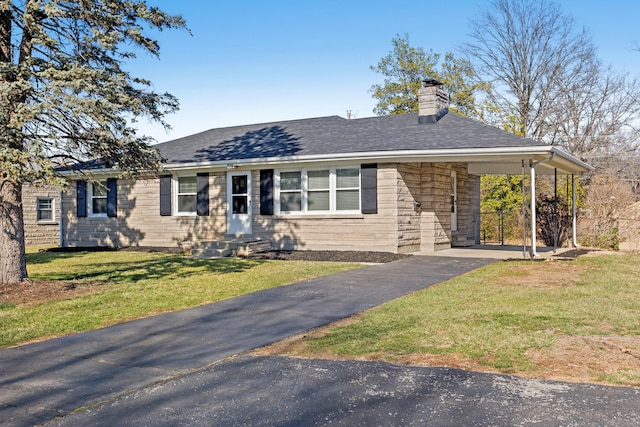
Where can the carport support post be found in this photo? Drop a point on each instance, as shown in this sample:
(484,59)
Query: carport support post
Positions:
(555,210)
(524,218)
(532,171)
(573,211)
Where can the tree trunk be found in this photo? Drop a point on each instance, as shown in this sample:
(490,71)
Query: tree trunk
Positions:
(13,265)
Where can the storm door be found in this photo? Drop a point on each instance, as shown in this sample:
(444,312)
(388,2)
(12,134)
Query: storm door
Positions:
(239,203)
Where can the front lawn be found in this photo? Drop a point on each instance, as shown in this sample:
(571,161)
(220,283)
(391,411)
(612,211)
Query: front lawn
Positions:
(72,292)
(576,321)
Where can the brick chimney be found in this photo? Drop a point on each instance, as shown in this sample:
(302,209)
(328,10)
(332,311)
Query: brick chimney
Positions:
(433,102)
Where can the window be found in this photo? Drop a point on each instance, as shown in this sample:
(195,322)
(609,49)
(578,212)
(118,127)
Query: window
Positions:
(98,198)
(347,189)
(187,195)
(290,191)
(319,191)
(44,210)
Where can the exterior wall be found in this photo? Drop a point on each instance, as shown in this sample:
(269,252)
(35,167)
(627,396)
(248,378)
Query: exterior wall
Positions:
(44,233)
(427,227)
(371,232)
(138,221)
(468,233)
(409,193)
(436,208)
(413,215)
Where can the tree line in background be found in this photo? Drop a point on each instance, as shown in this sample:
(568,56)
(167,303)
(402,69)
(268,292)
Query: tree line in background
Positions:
(529,69)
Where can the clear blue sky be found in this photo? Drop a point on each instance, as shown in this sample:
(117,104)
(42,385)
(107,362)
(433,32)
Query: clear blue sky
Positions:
(251,61)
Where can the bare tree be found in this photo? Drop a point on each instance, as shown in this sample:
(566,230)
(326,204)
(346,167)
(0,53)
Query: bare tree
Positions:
(523,48)
(595,113)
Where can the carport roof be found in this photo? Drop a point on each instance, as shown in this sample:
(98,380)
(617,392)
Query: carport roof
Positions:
(398,138)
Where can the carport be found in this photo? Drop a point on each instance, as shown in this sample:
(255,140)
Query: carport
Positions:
(532,161)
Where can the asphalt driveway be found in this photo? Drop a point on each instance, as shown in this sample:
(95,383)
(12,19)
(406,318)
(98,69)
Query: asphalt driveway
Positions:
(188,368)
(283,391)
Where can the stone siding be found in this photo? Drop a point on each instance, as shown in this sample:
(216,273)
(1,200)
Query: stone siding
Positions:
(371,232)
(138,221)
(413,215)
(468,233)
(40,233)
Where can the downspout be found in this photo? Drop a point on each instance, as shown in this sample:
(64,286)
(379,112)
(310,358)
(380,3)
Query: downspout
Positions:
(532,167)
(60,240)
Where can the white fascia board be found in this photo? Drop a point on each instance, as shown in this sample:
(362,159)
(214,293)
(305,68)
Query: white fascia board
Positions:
(569,159)
(486,156)
(108,172)
(470,155)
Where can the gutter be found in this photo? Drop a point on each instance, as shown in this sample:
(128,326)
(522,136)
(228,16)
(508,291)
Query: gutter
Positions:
(457,155)
(409,155)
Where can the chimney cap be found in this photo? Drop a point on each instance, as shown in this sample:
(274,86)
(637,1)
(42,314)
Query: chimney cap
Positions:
(431,82)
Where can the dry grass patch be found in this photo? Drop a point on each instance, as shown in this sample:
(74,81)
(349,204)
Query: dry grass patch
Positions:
(610,359)
(541,275)
(40,291)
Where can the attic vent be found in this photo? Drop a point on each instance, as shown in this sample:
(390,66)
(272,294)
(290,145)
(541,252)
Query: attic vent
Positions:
(433,102)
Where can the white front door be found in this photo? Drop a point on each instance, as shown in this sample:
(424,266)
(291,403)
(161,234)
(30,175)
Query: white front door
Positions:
(239,203)
(454,201)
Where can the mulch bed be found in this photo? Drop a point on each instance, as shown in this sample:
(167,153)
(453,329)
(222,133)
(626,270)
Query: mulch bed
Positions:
(170,250)
(335,256)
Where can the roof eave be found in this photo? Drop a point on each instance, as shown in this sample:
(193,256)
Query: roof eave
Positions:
(561,160)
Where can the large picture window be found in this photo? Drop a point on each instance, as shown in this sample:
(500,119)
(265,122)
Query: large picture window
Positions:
(319,191)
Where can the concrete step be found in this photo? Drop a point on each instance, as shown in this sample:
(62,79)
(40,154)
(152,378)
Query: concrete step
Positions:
(228,247)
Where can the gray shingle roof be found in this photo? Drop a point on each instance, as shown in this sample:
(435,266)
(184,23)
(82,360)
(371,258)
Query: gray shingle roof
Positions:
(335,135)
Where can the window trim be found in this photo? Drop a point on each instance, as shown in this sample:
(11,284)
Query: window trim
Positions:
(176,195)
(90,198)
(305,192)
(53,210)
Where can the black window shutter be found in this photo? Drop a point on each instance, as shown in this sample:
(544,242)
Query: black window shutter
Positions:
(165,195)
(203,194)
(81,198)
(266,192)
(112,197)
(369,190)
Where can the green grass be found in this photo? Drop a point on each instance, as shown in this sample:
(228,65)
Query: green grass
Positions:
(495,314)
(135,284)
